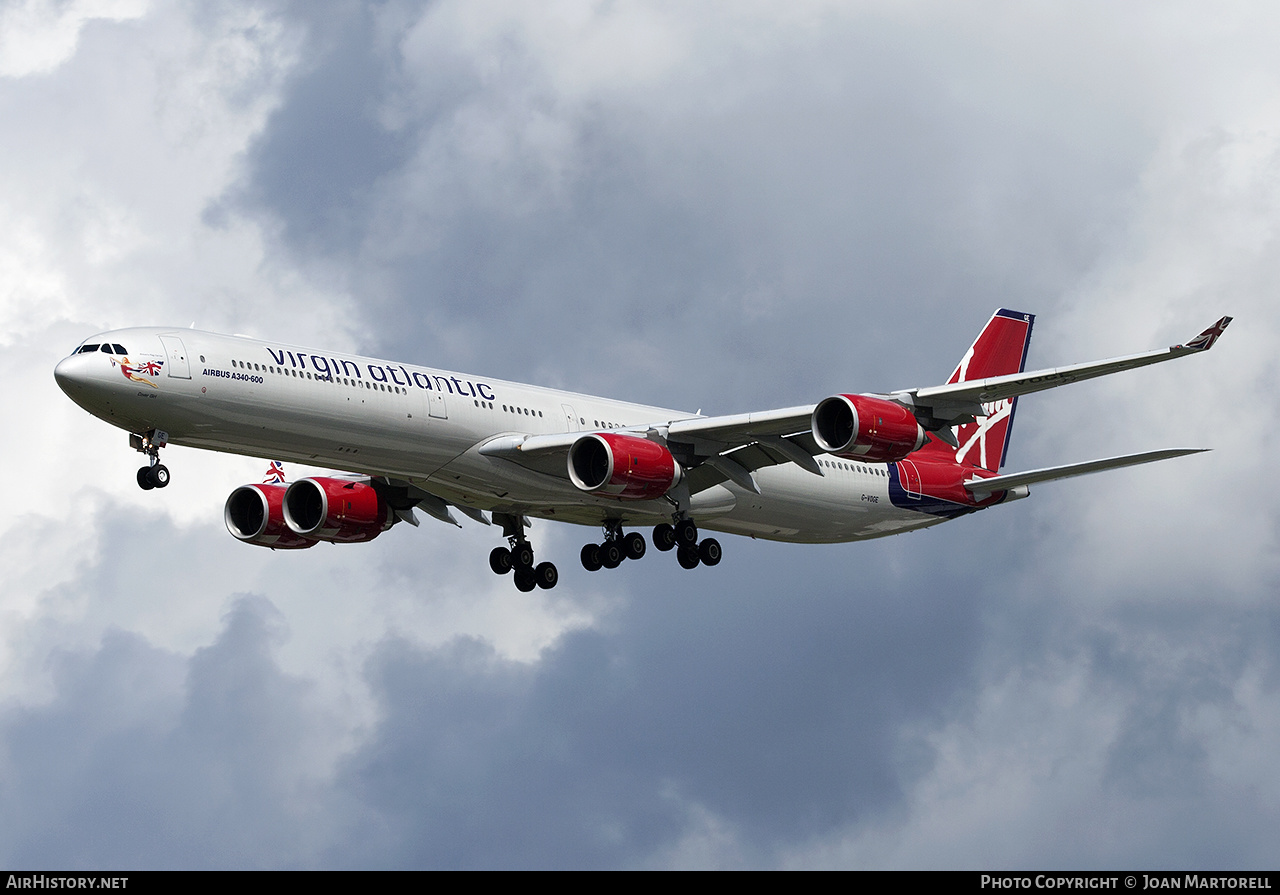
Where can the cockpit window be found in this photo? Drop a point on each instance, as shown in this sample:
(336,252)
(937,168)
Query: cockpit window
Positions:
(85,349)
(118,349)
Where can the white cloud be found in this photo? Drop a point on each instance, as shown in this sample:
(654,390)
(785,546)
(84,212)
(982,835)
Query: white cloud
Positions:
(37,36)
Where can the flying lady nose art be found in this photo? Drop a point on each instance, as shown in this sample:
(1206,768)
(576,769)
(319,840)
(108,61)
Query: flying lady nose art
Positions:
(139,373)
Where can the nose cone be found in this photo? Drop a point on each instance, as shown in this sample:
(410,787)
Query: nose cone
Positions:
(77,378)
(69,373)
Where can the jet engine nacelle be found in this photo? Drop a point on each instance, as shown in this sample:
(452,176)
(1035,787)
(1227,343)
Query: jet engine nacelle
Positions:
(623,466)
(869,429)
(255,515)
(339,510)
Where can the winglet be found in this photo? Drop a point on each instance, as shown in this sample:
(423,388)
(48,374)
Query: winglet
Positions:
(1205,340)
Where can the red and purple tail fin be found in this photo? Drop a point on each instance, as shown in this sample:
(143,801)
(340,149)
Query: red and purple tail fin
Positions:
(1000,349)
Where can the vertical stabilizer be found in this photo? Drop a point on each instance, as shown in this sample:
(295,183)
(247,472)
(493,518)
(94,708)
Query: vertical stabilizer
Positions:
(1000,349)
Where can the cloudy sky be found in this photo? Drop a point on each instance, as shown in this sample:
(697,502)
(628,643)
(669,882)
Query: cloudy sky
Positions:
(727,206)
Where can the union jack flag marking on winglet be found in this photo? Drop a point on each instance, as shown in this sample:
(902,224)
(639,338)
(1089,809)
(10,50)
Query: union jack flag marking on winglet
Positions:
(1205,340)
(275,474)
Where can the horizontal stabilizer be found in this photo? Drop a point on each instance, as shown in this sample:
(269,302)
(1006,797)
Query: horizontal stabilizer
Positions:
(1051,473)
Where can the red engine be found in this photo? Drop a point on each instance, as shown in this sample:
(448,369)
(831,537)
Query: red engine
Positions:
(255,515)
(336,510)
(622,466)
(869,429)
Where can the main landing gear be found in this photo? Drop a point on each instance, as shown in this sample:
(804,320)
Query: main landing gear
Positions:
(683,536)
(689,550)
(155,474)
(615,548)
(518,558)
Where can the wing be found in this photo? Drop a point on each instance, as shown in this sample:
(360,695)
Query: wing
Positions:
(956,403)
(712,449)
(404,496)
(717,449)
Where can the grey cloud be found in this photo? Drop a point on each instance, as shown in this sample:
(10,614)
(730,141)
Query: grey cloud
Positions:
(790,713)
(809,212)
(325,146)
(146,759)
(785,713)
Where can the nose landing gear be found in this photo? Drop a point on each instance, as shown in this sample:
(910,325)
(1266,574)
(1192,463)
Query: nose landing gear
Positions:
(155,474)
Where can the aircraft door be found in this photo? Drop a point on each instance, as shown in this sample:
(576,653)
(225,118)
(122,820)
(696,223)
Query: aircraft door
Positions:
(176,355)
(910,478)
(570,418)
(435,405)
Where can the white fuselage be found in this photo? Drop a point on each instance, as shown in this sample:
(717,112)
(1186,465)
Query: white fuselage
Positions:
(424,427)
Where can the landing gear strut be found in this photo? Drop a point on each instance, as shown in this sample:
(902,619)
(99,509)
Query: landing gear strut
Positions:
(614,549)
(155,474)
(518,558)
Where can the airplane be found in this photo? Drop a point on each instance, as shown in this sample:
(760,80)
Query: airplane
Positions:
(848,468)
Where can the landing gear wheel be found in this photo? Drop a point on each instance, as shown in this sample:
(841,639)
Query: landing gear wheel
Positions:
(664,536)
(522,555)
(525,580)
(687,557)
(546,576)
(633,545)
(610,555)
(500,560)
(159,475)
(709,552)
(144,479)
(591,557)
(686,533)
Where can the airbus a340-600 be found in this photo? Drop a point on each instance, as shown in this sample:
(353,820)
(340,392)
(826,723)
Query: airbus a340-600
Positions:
(851,467)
